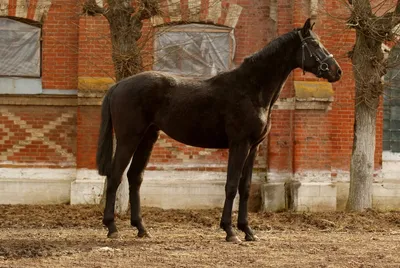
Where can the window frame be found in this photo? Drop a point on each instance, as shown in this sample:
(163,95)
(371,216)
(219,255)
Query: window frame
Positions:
(24,85)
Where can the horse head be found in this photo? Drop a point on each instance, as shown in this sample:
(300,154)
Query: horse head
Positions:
(313,57)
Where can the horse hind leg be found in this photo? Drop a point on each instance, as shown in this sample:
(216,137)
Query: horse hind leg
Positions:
(123,153)
(135,177)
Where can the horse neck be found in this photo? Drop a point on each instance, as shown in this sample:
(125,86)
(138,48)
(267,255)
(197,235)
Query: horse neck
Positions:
(269,68)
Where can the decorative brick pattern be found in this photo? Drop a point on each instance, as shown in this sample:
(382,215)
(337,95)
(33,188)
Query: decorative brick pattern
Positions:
(33,136)
(219,12)
(34,10)
(168,151)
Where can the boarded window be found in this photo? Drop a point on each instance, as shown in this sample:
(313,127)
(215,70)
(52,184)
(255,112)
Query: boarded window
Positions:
(391,105)
(194,50)
(19,49)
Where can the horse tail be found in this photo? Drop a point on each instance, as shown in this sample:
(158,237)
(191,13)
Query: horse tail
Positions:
(105,142)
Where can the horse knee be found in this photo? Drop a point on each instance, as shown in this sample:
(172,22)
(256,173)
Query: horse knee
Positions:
(135,181)
(230,192)
(244,196)
(244,193)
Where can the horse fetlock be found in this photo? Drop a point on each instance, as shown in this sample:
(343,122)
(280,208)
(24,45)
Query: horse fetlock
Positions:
(244,227)
(108,221)
(137,223)
(225,226)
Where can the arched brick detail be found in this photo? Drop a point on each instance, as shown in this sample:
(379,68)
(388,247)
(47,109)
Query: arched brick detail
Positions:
(28,9)
(211,11)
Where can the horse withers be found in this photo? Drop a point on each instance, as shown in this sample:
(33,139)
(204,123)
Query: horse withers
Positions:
(231,110)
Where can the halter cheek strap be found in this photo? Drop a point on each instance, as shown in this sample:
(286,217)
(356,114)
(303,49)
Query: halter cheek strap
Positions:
(323,66)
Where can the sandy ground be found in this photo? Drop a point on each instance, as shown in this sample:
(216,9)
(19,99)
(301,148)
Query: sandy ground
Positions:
(72,236)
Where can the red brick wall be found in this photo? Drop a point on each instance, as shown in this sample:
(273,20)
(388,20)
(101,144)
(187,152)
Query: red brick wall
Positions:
(37,136)
(280,142)
(60,46)
(95,48)
(88,122)
(312,148)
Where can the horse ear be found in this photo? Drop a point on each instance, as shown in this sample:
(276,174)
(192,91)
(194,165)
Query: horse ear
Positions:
(306,28)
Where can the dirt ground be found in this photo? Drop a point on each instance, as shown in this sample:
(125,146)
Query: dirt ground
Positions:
(72,236)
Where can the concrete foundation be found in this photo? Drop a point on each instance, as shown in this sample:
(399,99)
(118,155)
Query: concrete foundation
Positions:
(319,196)
(164,189)
(35,186)
(187,189)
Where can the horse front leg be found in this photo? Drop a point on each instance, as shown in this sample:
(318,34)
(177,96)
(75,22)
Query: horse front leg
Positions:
(237,157)
(244,193)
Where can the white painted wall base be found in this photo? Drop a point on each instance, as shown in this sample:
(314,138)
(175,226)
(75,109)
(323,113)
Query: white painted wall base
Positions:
(35,185)
(390,166)
(322,196)
(186,189)
(273,196)
(164,189)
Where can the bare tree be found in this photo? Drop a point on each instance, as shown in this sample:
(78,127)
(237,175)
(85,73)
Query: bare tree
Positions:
(369,65)
(125,18)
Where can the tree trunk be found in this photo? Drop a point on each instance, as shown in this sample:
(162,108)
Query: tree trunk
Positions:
(362,159)
(367,61)
(125,33)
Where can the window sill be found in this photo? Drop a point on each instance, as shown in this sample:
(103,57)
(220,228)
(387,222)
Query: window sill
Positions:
(38,100)
(304,104)
(20,85)
(314,103)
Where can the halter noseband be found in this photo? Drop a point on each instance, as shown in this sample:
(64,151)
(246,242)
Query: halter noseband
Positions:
(323,66)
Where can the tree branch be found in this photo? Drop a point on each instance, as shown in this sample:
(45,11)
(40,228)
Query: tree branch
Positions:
(392,17)
(91,8)
(148,9)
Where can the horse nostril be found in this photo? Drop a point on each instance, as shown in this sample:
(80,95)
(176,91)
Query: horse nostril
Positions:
(339,72)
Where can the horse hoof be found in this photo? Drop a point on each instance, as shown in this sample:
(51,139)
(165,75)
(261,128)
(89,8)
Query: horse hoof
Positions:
(113,235)
(144,234)
(251,238)
(233,239)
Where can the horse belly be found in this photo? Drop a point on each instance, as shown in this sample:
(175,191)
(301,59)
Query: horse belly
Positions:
(198,135)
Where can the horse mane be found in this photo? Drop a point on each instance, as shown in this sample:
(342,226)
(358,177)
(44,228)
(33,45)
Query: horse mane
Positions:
(266,54)
(271,48)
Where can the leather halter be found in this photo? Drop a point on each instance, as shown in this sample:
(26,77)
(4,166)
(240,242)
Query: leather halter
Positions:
(323,66)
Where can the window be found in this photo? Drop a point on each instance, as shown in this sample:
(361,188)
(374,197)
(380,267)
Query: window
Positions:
(391,105)
(194,50)
(19,57)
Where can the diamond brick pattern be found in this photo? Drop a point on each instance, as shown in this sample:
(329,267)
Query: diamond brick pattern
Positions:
(169,151)
(37,136)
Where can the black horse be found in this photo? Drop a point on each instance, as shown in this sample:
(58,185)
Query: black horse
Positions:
(230,110)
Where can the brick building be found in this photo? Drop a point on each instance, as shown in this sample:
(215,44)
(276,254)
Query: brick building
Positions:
(50,111)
